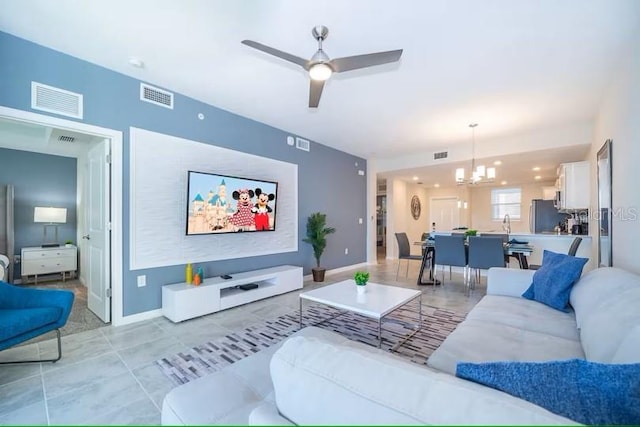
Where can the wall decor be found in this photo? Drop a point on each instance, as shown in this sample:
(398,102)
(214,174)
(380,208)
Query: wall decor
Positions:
(158,188)
(604,214)
(415,207)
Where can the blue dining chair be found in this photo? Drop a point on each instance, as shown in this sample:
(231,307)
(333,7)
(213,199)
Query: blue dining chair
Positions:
(404,252)
(484,252)
(28,313)
(450,251)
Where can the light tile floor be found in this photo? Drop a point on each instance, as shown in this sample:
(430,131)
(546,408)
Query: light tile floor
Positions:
(108,375)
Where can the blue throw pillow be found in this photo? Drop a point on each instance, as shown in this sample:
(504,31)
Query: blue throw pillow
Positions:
(552,282)
(586,392)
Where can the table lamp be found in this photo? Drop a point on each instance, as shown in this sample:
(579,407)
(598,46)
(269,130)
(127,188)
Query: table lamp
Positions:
(51,217)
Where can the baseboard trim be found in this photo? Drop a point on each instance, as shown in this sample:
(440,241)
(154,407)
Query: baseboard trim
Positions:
(139,317)
(339,270)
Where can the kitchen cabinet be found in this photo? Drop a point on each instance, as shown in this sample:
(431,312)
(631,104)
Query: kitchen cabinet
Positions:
(573,184)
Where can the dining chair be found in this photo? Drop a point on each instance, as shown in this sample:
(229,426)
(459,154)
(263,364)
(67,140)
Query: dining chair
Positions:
(484,252)
(450,251)
(573,249)
(404,252)
(505,240)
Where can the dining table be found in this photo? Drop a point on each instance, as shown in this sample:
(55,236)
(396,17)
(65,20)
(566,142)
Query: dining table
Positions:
(519,251)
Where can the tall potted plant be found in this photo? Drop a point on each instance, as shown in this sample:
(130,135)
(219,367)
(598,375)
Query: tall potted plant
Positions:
(317,232)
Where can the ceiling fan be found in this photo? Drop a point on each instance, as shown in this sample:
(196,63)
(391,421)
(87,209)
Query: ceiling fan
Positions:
(320,67)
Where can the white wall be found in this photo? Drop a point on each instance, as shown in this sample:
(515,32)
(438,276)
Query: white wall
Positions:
(396,219)
(159,199)
(550,137)
(415,228)
(481,208)
(618,119)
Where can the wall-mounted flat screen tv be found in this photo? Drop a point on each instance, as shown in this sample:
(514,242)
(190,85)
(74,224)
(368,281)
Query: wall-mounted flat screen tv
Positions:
(230,204)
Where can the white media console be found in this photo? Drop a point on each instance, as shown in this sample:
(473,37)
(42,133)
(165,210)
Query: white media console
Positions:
(181,301)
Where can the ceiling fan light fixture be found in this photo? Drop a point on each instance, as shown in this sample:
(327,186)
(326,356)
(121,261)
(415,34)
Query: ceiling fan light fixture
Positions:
(320,72)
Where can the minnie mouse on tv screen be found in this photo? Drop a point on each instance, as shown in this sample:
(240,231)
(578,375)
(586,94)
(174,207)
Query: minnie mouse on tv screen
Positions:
(229,204)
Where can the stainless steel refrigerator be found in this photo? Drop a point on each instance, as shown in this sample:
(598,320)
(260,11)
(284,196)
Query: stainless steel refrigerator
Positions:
(6,227)
(543,216)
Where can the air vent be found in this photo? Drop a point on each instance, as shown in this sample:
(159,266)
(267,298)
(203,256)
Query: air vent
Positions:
(302,144)
(440,155)
(66,138)
(156,96)
(382,186)
(55,100)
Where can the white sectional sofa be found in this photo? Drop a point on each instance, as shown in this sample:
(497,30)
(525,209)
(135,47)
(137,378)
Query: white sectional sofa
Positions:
(319,377)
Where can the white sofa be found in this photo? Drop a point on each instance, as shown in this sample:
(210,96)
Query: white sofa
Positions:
(319,377)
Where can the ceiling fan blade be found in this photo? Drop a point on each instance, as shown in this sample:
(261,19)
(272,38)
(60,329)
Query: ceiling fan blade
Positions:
(349,63)
(315,90)
(280,54)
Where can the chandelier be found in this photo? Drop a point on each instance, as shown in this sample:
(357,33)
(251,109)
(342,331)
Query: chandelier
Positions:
(478,174)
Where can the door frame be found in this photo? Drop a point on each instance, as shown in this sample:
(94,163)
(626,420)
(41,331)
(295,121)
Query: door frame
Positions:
(117,149)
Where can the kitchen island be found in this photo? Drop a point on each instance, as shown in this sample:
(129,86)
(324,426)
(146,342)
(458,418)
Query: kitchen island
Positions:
(556,243)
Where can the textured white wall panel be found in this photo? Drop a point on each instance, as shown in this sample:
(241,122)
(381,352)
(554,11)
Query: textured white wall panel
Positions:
(158,208)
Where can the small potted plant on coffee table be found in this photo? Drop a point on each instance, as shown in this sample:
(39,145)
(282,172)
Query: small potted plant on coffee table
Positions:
(361,278)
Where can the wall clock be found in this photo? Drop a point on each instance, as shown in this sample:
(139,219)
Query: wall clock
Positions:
(415,207)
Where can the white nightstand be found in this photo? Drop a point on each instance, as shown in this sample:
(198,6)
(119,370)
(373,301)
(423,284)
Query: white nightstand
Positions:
(37,261)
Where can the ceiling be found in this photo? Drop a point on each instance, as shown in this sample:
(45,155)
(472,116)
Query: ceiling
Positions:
(512,66)
(24,136)
(515,169)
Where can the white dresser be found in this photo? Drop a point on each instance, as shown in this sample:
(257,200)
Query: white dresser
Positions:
(38,261)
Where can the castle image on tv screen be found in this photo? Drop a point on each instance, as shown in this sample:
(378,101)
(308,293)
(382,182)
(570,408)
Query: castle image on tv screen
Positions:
(228,204)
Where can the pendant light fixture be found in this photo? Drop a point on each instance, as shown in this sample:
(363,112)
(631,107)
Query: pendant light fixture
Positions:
(478,174)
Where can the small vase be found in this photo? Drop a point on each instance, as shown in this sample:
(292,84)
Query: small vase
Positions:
(361,288)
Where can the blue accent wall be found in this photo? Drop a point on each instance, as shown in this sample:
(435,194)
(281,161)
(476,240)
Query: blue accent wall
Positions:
(327,178)
(39,180)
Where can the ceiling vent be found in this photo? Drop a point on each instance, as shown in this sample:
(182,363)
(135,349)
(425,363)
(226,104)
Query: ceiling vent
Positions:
(55,100)
(156,96)
(440,155)
(302,144)
(66,138)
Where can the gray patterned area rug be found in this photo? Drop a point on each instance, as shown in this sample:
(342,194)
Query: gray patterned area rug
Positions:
(212,356)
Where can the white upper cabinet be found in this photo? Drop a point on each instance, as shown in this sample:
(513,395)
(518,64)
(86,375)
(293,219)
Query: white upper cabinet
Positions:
(573,184)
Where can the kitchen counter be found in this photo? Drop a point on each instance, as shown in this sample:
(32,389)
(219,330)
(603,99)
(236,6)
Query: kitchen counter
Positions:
(556,243)
(552,234)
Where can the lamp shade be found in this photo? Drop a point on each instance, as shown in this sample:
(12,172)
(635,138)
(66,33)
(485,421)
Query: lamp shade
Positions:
(320,72)
(50,215)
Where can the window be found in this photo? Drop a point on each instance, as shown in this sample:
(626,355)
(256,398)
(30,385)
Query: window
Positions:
(505,201)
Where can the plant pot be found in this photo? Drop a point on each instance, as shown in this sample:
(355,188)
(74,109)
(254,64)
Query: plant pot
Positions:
(361,289)
(318,274)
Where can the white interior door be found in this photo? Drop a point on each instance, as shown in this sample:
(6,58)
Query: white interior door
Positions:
(445,213)
(97,232)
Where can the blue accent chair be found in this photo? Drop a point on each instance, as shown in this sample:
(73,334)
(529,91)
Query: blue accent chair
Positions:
(28,313)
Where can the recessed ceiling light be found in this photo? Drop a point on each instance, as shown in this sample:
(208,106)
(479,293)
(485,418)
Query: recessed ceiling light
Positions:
(135,62)
(497,162)
(415,178)
(504,183)
(536,168)
(537,177)
(436,185)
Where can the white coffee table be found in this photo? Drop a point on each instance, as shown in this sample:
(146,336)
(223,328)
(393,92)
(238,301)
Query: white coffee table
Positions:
(376,303)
